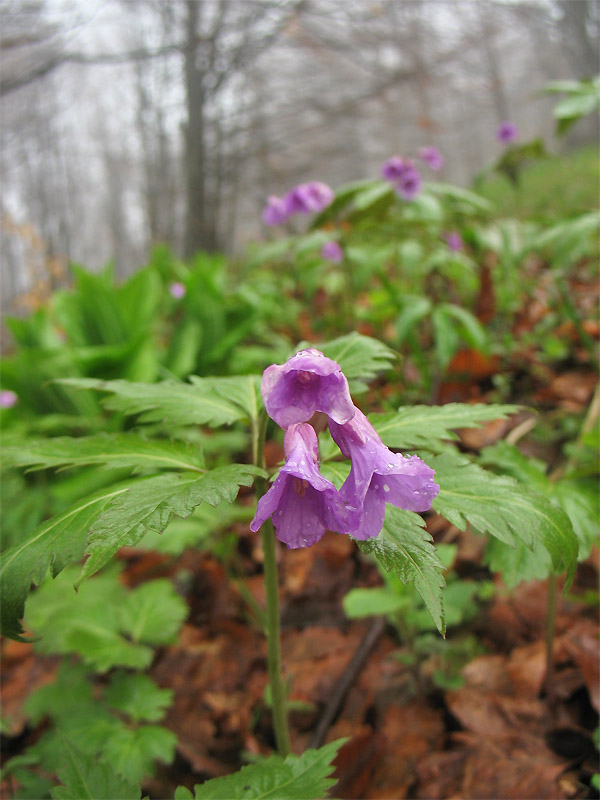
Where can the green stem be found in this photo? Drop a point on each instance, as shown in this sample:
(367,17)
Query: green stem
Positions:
(273,631)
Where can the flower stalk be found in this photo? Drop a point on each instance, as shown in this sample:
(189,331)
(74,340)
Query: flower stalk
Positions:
(272,627)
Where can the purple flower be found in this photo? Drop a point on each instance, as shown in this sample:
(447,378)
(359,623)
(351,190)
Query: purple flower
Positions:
(308,197)
(408,185)
(302,503)
(332,252)
(454,241)
(395,167)
(275,212)
(306,383)
(432,157)
(507,132)
(177,290)
(378,476)
(8,399)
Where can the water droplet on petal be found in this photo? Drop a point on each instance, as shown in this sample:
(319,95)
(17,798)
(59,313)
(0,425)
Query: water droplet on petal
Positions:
(386,488)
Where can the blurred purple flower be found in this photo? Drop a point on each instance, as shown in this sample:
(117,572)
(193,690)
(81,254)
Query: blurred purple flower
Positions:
(432,157)
(378,476)
(454,241)
(395,167)
(507,132)
(408,185)
(306,383)
(8,399)
(332,252)
(275,212)
(177,290)
(302,503)
(308,197)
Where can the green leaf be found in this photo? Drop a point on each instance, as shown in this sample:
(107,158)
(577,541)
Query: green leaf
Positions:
(499,506)
(133,751)
(465,200)
(428,426)
(360,357)
(153,612)
(85,778)
(121,450)
(243,390)
(580,500)
(87,622)
(52,545)
(170,402)
(405,548)
(304,777)
(414,309)
(137,696)
(517,563)
(150,504)
(445,334)
(70,691)
(359,603)
(471,330)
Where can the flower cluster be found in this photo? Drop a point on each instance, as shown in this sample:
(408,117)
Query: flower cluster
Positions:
(302,199)
(507,132)
(8,398)
(405,176)
(303,504)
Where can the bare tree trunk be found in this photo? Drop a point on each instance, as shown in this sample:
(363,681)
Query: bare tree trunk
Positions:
(199,234)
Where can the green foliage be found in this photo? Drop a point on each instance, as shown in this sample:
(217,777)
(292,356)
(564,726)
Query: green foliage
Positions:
(360,357)
(405,548)
(82,776)
(102,523)
(103,622)
(430,426)
(582,98)
(117,450)
(499,506)
(294,777)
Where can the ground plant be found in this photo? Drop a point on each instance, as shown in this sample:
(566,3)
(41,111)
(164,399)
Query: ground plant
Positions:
(385,426)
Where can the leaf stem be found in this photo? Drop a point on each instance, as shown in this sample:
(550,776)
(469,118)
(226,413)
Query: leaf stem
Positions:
(273,630)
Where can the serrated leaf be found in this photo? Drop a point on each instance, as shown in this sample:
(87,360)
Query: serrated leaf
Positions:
(518,563)
(580,500)
(304,777)
(87,622)
(133,752)
(153,612)
(52,545)
(86,778)
(405,548)
(137,696)
(170,402)
(497,505)
(150,504)
(360,357)
(121,450)
(428,426)
(71,690)
(243,390)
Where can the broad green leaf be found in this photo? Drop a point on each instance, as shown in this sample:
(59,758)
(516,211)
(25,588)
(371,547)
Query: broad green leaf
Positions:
(509,459)
(120,450)
(517,563)
(87,622)
(153,613)
(368,197)
(243,390)
(70,691)
(137,696)
(304,777)
(360,357)
(428,426)
(499,506)
(414,309)
(85,778)
(405,548)
(464,199)
(52,545)
(580,500)
(132,752)
(359,603)
(471,330)
(445,335)
(170,402)
(149,505)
